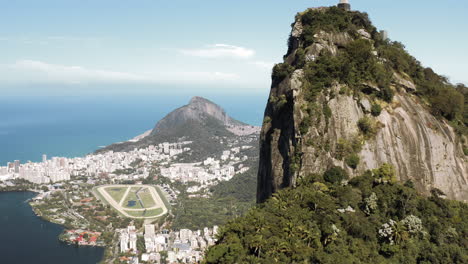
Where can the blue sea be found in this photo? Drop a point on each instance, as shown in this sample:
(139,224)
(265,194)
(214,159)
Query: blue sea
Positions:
(71,126)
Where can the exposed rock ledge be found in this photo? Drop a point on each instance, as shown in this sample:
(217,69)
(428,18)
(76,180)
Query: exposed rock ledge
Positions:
(421,147)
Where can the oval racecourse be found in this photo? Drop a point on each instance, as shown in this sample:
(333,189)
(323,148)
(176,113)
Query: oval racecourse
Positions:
(133,201)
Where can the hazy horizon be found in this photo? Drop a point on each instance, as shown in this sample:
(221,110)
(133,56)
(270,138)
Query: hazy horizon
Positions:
(123,47)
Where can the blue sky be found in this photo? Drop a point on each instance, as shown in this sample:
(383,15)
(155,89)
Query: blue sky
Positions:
(145,45)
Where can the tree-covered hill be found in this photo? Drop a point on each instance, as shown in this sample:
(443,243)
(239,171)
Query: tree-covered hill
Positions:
(368,219)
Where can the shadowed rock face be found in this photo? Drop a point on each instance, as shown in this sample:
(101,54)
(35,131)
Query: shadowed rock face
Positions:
(421,147)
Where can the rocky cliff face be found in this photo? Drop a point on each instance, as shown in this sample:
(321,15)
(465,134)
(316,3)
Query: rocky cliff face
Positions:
(301,136)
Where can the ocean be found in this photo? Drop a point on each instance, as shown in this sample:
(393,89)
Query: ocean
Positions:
(71,126)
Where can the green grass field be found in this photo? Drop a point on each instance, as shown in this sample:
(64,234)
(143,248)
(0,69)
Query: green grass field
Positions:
(163,198)
(116,193)
(132,197)
(147,213)
(147,198)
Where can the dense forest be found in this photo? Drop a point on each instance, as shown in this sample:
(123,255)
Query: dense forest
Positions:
(330,219)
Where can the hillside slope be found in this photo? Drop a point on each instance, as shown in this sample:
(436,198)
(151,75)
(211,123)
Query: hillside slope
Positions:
(201,121)
(346,97)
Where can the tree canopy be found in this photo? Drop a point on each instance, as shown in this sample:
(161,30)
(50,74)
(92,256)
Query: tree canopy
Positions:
(365,221)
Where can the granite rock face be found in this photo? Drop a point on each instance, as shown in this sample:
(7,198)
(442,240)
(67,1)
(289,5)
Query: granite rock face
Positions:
(421,147)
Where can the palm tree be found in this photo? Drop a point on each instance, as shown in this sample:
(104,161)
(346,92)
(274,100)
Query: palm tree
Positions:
(400,233)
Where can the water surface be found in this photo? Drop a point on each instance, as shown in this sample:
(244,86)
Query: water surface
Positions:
(25,238)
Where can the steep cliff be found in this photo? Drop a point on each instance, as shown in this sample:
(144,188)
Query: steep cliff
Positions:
(346,97)
(347,103)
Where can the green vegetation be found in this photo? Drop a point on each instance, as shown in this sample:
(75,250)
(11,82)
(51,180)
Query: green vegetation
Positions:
(367,126)
(229,200)
(132,197)
(19,185)
(335,175)
(352,160)
(345,147)
(163,198)
(444,99)
(356,66)
(376,109)
(145,213)
(281,71)
(388,223)
(116,193)
(305,125)
(334,19)
(348,150)
(386,174)
(370,218)
(147,198)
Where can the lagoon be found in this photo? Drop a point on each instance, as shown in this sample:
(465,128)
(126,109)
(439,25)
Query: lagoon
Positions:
(25,238)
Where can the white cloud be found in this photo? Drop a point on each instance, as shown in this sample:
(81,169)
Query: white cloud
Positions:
(263,64)
(220,51)
(42,72)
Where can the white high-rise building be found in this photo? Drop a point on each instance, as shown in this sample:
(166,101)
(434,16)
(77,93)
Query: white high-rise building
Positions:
(171,256)
(17,166)
(132,241)
(166,147)
(185,235)
(149,230)
(124,241)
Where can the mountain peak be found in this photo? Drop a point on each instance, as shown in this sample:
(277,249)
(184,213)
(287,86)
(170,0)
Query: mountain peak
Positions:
(198,110)
(200,121)
(199,99)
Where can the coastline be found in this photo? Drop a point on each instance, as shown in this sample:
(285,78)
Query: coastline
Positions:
(42,217)
(23,221)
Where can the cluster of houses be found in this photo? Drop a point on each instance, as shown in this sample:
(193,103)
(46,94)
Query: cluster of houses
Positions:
(183,246)
(60,169)
(211,170)
(82,237)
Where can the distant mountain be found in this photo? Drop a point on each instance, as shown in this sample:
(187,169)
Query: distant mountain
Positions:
(201,121)
(198,110)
